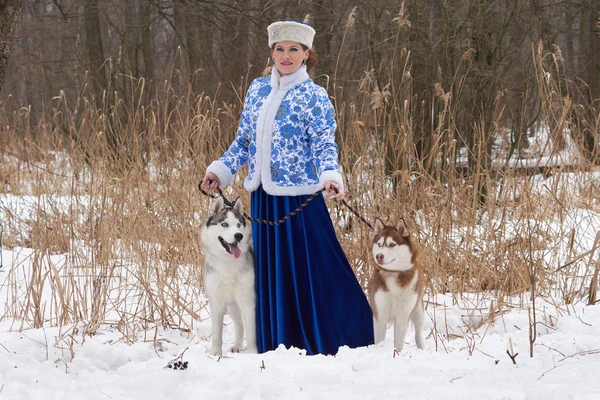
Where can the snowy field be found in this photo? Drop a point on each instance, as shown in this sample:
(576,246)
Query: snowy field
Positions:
(468,353)
(462,360)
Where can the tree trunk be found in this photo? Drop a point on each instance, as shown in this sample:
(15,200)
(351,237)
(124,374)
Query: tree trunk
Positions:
(570,52)
(145,17)
(199,48)
(93,36)
(180,58)
(9,11)
(593,75)
(257,43)
(324,23)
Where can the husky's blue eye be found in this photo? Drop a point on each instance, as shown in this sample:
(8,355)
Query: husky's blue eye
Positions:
(392,244)
(239,225)
(224,224)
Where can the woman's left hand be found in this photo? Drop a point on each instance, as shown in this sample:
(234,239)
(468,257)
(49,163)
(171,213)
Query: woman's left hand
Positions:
(331,190)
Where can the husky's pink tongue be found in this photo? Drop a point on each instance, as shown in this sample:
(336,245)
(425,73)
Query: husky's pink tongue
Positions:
(235,250)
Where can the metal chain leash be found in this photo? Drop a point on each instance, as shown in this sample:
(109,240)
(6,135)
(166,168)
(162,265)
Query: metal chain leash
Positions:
(290,215)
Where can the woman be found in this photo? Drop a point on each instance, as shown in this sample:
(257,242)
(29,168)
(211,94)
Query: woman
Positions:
(307,294)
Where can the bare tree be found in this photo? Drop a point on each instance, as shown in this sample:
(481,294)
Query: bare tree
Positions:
(9,10)
(145,21)
(591,35)
(94,46)
(479,51)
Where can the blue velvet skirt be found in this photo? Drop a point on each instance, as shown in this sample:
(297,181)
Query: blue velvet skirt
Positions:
(307,294)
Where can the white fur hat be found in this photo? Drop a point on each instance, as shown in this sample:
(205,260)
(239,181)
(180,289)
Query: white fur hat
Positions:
(291,30)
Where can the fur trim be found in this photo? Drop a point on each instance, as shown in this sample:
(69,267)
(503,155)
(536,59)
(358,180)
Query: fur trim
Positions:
(331,175)
(291,30)
(274,190)
(222,172)
(264,133)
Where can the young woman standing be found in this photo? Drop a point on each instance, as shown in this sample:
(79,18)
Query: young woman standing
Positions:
(307,294)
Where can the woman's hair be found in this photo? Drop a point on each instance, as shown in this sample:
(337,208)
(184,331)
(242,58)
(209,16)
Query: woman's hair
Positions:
(311,63)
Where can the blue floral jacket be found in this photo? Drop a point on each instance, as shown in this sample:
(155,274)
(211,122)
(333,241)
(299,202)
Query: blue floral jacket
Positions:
(287,136)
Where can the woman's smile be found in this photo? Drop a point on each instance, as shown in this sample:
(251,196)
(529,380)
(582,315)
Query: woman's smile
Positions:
(288,56)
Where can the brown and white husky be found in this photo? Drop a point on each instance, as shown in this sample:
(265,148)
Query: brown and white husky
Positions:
(396,286)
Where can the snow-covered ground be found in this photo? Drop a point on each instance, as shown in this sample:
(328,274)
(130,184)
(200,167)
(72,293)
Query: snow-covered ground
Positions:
(462,360)
(540,152)
(465,355)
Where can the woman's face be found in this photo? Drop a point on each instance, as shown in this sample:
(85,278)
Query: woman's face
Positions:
(288,56)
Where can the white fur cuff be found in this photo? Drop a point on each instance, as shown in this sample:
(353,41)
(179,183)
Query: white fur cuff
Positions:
(331,175)
(291,30)
(221,171)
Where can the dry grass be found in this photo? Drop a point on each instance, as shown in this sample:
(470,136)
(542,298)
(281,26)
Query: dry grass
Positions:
(116,213)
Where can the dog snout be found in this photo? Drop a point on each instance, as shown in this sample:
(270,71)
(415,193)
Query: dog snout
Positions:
(238,237)
(379,258)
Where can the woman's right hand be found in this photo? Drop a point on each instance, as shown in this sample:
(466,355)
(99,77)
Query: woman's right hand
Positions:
(210,181)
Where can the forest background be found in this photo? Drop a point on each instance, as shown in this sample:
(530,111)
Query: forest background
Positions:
(484,53)
(476,121)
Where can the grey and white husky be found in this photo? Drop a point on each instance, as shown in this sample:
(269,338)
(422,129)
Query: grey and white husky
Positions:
(226,242)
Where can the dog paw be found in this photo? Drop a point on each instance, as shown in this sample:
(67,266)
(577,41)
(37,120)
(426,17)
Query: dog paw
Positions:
(216,351)
(235,349)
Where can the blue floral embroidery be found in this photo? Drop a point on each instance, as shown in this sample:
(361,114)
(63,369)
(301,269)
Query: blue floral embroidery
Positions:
(330,116)
(288,131)
(296,179)
(311,171)
(264,90)
(283,111)
(316,111)
(277,172)
(302,139)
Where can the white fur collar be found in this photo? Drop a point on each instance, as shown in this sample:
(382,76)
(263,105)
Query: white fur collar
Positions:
(264,131)
(286,82)
(264,128)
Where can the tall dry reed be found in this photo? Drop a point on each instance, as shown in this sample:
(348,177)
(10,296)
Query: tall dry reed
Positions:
(114,213)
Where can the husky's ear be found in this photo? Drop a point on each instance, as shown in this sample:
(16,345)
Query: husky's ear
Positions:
(401,228)
(238,206)
(217,205)
(378,226)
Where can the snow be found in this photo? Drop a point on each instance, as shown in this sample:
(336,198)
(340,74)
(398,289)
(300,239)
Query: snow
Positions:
(471,360)
(540,152)
(465,354)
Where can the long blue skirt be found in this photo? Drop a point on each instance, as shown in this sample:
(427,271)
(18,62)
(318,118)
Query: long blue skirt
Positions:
(307,294)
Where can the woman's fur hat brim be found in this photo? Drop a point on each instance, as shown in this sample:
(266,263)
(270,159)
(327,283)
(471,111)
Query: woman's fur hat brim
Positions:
(291,30)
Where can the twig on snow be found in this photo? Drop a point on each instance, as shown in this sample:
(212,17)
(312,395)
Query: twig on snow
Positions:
(511,352)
